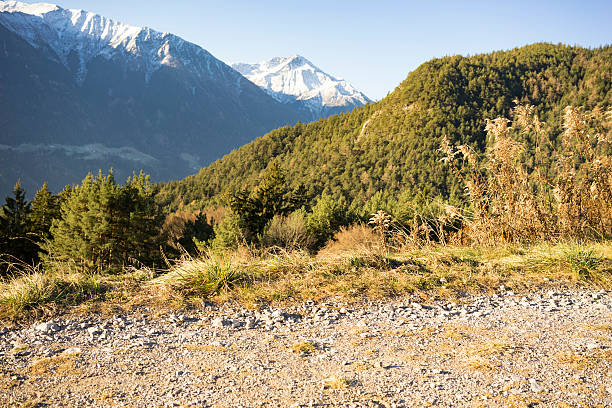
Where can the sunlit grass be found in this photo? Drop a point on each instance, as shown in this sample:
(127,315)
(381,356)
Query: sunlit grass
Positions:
(364,273)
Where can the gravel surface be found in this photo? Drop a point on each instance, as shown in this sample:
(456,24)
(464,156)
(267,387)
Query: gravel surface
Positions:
(552,348)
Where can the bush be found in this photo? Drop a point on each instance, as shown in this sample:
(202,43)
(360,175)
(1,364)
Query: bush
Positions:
(327,217)
(288,232)
(228,234)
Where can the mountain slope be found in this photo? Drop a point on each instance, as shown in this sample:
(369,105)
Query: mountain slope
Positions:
(80,92)
(389,149)
(297,82)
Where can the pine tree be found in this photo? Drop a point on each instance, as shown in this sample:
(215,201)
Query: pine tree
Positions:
(15,242)
(16,210)
(45,208)
(271,197)
(104,226)
(196,231)
(143,218)
(82,230)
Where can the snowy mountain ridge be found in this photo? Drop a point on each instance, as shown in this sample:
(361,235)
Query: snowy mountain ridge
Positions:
(81,92)
(70,33)
(290,79)
(74,38)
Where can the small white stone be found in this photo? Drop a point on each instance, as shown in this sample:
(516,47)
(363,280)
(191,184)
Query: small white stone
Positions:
(218,322)
(47,327)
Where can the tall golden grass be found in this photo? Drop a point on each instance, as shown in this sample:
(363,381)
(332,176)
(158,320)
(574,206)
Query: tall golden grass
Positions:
(531,189)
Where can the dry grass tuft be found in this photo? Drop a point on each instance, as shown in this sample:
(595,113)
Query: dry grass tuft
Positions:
(204,347)
(33,403)
(34,291)
(354,239)
(304,347)
(335,383)
(479,363)
(585,361)
(61,364)
(204,276)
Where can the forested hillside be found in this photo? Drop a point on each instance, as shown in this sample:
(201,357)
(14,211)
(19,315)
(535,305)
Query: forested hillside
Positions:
(389,150)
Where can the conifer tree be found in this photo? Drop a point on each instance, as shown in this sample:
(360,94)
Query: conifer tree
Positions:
(104,226)
(45,208)
(143,219)
(198,230)
(16,210)
(270,197)
(15,242)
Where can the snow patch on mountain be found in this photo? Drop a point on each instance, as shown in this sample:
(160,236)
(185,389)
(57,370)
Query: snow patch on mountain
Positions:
(69,32)
(297,79)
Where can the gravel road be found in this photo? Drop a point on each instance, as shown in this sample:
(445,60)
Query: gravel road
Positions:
(546,349)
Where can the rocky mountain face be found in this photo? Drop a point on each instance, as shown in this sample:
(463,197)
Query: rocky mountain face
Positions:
(297,82)
(79,92)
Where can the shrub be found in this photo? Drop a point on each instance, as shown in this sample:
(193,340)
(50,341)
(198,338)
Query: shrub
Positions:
(288,232)
(327,217)
(228,234)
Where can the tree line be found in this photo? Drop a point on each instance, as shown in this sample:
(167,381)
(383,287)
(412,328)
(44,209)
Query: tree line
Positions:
(103,227)
(98,225)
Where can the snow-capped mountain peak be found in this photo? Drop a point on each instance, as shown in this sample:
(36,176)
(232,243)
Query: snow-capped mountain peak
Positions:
(295,79)
(70,32)
(37,9)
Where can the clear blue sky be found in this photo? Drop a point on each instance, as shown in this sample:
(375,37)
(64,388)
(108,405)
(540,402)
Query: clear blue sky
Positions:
(372,44)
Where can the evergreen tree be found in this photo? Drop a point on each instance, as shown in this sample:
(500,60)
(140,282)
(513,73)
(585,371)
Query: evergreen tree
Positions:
(326,218)
(45,208)
(196,231)
(143,220)
(104,226)
(15,242)
(16,210)
(255,208)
